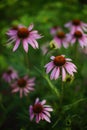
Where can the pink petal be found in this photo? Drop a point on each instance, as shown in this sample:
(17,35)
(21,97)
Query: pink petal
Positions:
(47,113)
(68,70)
(31,112)
(25,45)
(57,73)
(50,63)
(30,27)
(37,100)
(37,118)
(68,59)
(49,68)
(31,43)
(52,57)
(63,74)
(52,76)
(48,109)
(46,118)
(35,42)
(43,102)
(73,29)
(16,45)
(73,41)
(15,90)
(82,43)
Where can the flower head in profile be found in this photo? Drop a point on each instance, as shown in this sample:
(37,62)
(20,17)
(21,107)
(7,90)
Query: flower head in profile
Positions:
(9,75)
(78,36)
(69,79)
(24,35)
(60,66)
(40,111)
(61,39)
(54,30)
(75,25)
(23,85)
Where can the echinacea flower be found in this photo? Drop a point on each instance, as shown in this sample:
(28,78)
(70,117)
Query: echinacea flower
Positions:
(61,39)
(24,85)
(78,36)
(40,111)
(24,35)
(54,30)
(9,75)
(75,25)
(60,66)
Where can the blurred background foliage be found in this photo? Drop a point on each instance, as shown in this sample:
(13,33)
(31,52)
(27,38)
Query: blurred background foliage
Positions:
(44,14)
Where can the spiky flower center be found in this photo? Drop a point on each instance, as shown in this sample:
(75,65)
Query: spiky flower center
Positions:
(76,22)
(9,72)
(21,82)
(78,34)
(59,61)
(23,32)
(37,108)
(61,35)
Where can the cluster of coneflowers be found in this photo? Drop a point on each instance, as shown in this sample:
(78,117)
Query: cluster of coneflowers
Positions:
(58,66)
(23,85)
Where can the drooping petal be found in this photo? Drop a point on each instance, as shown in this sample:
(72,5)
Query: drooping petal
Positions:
(37,118)
(15,90)
(31,43)
(57,73)
(49,68)
(50,63)
(16,45)
(52,76)
(25,45)
(47,113)
(46,118)
(63,74)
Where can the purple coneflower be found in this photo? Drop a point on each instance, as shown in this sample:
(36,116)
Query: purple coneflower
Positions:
(78,35)
(61,39)
(59,66)
(54,30)
(24,85)
(24,35)
(40,110)
(76,25)
(9,75)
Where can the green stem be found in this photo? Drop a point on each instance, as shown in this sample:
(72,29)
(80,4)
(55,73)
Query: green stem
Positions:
(27,60)
(52,86)
(56,122)
(49,82)
(62,93)
(3,108)
(67,107)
